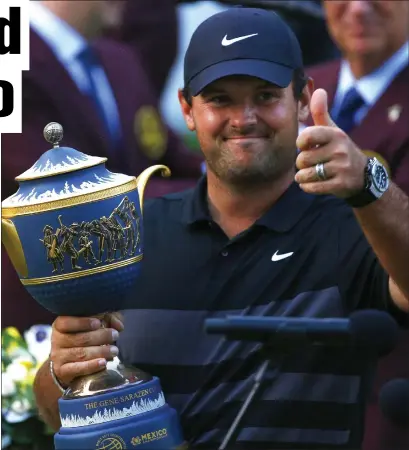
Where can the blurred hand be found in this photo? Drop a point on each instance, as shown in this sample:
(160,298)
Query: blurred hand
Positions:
(83,345)
(344,163)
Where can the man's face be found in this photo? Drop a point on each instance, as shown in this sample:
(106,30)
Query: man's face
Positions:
(246,128)
(366,28)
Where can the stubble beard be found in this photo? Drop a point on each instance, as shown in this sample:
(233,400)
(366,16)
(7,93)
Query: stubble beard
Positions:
(266,166)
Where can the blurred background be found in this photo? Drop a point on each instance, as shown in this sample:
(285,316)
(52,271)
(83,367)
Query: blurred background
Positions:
(109,71)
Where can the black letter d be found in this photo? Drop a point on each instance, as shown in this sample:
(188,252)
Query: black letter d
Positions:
(14,28)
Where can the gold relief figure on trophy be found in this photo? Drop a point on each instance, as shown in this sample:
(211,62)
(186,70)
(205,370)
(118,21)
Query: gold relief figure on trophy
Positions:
(67,245)
(123,211)
(104,240)
(133,212)
(53,251)
(118,235)
(86,245)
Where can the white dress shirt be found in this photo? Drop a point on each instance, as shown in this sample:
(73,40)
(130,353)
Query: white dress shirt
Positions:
(372,86)
(67,44)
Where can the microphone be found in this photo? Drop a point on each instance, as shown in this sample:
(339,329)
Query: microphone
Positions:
(370,329)
(394,401)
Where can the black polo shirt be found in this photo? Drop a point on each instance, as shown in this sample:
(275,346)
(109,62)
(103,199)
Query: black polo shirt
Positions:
(305,257)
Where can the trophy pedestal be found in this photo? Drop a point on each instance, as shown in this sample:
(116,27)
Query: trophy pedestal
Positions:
(118,408)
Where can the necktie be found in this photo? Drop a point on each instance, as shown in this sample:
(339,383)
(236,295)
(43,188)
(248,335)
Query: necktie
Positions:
(351,103)
(90,65)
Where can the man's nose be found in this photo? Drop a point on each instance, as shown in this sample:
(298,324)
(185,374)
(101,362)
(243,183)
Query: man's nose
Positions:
(243,115)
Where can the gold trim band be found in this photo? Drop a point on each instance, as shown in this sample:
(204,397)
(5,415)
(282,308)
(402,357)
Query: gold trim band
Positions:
(82,273)
(8,213)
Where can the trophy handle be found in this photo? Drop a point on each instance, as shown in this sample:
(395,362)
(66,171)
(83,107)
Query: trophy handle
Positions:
(143,179)
(12,243)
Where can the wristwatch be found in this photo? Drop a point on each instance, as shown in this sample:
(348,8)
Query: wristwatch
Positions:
(376,184)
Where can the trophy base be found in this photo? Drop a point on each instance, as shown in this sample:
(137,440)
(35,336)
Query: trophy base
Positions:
(118,408)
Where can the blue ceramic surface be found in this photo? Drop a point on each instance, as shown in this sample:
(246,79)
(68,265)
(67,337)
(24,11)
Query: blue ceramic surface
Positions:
(136,416)
(156,430)
(85,257)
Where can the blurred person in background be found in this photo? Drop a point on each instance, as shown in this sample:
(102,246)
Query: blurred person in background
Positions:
(368,91)
(100,91)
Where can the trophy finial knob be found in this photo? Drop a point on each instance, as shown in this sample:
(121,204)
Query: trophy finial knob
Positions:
(53,133)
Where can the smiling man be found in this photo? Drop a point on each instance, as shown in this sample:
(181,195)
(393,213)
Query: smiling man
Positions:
(254,238)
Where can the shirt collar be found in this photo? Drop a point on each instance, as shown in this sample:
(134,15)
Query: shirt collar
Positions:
(64,40)
(372,86)
(281,217)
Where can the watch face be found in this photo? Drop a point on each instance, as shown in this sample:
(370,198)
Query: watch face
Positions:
(380,178)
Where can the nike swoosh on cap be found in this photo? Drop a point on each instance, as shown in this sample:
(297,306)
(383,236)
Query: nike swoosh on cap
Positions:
(226,42)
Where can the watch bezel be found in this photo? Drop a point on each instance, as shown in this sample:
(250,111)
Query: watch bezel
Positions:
(375,189)
(370,192)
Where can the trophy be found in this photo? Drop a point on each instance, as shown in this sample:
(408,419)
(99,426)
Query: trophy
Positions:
(74,234)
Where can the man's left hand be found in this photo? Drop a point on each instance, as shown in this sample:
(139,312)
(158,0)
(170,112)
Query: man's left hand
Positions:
(343,162)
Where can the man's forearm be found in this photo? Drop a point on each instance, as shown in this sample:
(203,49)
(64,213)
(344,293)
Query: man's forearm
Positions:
(47,395)
(385,223)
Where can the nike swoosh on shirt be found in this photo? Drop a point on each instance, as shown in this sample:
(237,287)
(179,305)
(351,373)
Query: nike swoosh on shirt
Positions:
(226,42)
(277,257)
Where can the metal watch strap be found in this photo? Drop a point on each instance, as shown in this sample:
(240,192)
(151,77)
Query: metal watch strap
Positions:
(55,379)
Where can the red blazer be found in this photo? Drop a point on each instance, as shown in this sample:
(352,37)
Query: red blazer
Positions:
(378,132)
(49,94)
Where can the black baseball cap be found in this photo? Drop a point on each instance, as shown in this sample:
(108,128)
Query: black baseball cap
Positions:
(242,41)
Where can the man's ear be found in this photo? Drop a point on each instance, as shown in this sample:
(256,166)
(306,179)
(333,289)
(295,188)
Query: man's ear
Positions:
(304,101)
(186,111)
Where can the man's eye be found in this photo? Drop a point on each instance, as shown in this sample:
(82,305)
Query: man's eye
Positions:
(266,96)
(219,99)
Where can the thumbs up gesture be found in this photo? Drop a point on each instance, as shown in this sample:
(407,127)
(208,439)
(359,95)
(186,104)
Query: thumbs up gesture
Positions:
(328,162)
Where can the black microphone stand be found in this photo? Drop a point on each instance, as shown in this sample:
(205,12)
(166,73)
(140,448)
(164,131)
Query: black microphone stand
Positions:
(254,394)
(356,333)
(270,354)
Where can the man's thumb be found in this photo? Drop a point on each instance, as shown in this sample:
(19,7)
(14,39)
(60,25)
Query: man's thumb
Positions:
(319,109)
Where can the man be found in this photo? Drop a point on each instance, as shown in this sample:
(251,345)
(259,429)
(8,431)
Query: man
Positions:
(101,94)
(373,39)
(254,238)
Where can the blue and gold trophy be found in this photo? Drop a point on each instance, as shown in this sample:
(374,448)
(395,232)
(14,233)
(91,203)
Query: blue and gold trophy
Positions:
(74,234)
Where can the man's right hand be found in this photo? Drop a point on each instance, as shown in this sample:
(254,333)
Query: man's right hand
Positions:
(81,346)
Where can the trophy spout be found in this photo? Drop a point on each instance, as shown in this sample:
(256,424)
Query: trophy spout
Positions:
(12,244)
(143,179)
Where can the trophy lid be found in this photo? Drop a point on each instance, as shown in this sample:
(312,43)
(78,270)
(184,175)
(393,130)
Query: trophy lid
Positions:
(58,160)
(61,173)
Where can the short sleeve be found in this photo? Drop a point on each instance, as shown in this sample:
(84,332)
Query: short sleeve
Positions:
(362,280)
